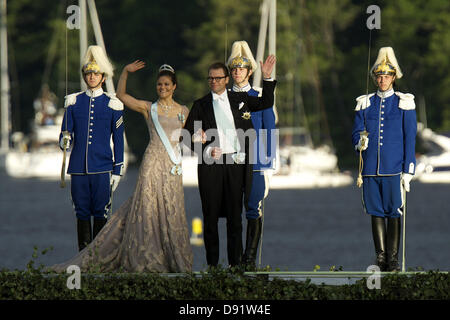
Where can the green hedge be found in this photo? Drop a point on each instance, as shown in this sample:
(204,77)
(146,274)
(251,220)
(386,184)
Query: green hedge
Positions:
(220,284)
(217,284)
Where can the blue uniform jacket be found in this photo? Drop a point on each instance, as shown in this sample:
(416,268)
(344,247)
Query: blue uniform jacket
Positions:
(265,145)
(390,119)
(92,118)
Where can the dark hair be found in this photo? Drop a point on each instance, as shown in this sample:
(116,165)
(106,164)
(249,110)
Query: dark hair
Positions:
(169,74)
(219,65)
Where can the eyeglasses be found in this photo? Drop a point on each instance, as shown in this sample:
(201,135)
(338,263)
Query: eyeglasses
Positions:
(217,79)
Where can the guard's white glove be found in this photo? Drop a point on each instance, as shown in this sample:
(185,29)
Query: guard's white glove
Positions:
(115,179)
(65,141)
(268,179)
(363,143)
(406,179)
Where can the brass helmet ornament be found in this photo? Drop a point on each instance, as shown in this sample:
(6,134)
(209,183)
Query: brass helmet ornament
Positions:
(386,63)
(240,62)
(384,68)
(91,67)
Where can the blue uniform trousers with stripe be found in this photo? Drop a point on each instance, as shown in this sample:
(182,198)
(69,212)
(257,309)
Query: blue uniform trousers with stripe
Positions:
(255,200)
(91,195)
(382,196)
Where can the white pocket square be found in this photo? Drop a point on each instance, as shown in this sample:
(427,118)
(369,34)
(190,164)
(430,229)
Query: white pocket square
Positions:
(241,105)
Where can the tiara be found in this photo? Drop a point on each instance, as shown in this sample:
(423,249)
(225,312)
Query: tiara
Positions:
(166,67)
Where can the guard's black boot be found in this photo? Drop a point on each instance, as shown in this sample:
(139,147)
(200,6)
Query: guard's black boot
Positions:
(393,242)
(254,227)
(84,233)
(379,240)
(98,225)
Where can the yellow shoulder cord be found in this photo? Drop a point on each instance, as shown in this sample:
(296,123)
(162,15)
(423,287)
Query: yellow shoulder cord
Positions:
(359,181)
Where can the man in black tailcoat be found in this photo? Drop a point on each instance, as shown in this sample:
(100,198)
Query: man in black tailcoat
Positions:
(220,132)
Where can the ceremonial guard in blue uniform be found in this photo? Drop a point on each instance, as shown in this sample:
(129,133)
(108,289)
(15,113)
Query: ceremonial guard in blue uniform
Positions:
(384,132)
(91,118)
(242,65)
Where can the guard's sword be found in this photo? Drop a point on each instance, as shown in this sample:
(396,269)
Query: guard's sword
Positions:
(65,132)
(262,233)
(359,181)
(111,192)
(404,231)
(63,167)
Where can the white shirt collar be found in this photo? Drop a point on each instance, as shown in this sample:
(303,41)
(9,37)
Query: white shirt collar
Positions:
(245,88)
(223,96)
(94,93)
(385,94)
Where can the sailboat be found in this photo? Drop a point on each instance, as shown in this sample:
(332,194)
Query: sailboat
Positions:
(299,164)
(434,165)
(39,155)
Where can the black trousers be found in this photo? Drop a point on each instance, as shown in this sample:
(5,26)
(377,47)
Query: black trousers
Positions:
(221,189)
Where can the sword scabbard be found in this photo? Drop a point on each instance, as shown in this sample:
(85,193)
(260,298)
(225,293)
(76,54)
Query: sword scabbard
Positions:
(63,167)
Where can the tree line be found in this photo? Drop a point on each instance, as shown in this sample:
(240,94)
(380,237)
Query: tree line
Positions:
(322,52)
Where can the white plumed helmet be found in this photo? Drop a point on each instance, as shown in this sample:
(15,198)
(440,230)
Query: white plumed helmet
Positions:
(241,56)
(95,60)
(386,63)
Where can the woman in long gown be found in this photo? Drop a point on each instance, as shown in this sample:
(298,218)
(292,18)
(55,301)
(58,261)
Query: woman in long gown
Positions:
(149,232)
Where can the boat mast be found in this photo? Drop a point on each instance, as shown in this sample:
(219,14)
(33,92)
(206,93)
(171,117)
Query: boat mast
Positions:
(5,106)
(261,41)
(83,38)
(97,33)
(99,38)
(268,19)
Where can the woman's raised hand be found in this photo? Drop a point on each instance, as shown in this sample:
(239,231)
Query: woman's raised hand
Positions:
(135,66)
(121,93)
